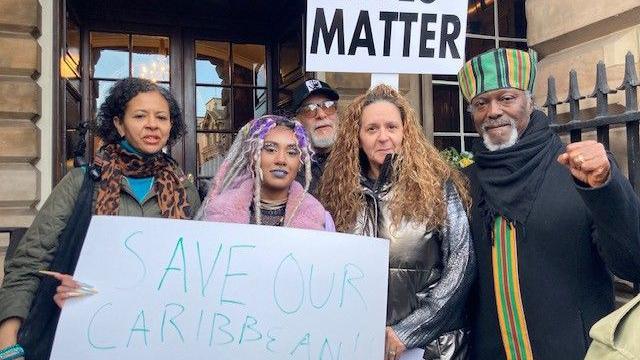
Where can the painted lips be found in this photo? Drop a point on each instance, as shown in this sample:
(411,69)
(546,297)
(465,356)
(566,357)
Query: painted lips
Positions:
(279,174)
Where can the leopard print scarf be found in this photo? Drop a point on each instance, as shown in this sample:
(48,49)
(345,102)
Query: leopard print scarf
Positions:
(116,162)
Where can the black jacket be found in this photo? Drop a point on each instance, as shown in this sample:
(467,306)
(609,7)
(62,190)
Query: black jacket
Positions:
(564,248)
(317,168)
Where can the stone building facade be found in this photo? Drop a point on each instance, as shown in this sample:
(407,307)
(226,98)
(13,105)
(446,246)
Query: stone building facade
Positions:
(20,113)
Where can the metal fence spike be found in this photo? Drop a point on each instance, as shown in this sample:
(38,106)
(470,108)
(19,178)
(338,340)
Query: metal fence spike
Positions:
(602,85)
(552,99)
(630,74)
(630,83)
(574,89)
(601,91)
(573,99)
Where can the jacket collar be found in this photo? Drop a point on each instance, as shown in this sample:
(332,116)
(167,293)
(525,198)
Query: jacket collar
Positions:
(302,211)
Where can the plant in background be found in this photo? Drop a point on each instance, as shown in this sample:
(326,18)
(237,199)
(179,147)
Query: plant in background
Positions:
(458,159)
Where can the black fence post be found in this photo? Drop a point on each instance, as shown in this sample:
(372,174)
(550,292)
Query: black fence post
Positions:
(601,93)
(630,84)
(574,105)
(552,100)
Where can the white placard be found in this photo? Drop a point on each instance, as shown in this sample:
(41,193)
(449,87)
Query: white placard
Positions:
(176,289)
(386,36)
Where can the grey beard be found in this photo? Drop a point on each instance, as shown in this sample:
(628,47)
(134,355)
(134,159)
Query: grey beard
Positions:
(322,142)
(513,138)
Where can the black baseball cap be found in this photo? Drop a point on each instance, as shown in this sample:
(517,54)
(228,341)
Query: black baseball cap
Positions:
(312,87)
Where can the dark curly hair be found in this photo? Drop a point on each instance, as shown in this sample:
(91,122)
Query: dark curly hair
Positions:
(116,102)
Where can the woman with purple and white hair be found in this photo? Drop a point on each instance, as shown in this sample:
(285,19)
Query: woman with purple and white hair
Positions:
(256,182)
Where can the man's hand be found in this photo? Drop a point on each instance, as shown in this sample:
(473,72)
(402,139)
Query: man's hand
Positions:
(587,161)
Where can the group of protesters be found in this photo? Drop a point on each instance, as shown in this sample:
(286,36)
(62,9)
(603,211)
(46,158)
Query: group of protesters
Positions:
(510,258)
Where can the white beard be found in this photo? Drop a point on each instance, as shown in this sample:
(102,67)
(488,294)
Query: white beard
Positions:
(513,138)
(322,142)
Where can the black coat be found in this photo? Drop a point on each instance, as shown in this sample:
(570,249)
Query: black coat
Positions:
(564,248)
(317,168)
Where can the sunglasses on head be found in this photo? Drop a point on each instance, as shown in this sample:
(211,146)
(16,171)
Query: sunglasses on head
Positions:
(329,107)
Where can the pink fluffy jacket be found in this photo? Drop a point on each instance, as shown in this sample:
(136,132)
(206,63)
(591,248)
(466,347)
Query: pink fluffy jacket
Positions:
(232,206)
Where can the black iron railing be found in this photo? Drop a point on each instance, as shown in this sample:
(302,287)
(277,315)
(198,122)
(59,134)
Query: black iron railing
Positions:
(603,119)
(575,123)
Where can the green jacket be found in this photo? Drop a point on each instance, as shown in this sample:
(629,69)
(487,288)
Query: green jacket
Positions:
(38,246)
(617,336)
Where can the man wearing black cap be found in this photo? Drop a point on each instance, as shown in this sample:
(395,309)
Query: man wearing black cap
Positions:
(315,105)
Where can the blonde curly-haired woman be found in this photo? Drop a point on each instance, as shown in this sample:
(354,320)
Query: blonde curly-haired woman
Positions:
(384,179)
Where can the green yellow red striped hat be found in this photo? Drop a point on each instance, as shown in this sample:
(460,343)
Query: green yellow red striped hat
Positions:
(498,69)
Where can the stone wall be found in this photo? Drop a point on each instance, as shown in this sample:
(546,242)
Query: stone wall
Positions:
(20,109)
(551,22)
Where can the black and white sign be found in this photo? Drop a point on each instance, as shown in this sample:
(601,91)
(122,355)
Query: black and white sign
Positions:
(386,36)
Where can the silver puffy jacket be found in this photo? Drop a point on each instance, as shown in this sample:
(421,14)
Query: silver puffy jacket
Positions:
(430,273)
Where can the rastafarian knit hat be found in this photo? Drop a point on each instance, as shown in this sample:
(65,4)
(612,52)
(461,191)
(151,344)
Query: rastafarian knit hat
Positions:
(498,69)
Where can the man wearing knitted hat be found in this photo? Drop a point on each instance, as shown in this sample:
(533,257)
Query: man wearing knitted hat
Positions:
(548,220)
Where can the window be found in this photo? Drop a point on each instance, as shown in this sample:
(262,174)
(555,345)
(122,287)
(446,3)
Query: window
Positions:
(490,24)
(70,73)
(290,60)
(230,90)
(115,56)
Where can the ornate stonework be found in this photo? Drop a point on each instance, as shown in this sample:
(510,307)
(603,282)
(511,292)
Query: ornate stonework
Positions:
(20,109)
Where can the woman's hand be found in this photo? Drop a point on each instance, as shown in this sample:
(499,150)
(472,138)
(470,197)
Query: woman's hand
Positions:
(393,347)
(9,332)
(67,288)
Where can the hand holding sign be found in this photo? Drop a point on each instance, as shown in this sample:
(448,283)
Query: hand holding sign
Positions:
(188,289)
(68,287)
(393,346)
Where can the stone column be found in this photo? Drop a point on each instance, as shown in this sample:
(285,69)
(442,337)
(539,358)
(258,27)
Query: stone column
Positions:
(20,109)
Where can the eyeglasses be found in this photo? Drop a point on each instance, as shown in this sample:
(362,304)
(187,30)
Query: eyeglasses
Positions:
(329,107)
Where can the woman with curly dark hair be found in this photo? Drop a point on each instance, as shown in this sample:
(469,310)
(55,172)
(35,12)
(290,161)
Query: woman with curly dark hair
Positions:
(384,179)
(130,176)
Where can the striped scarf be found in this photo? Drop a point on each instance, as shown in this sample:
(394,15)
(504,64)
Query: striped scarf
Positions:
(506,282)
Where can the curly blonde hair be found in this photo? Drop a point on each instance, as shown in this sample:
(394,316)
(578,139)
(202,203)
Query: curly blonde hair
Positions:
(419,172)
